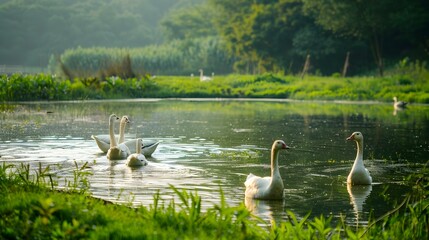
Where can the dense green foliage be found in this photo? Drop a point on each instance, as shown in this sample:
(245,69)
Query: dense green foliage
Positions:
(31,210)
(270,35)
(45,87)
(409,82)
(378,21)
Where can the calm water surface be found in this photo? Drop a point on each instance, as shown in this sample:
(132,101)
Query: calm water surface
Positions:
(211,144)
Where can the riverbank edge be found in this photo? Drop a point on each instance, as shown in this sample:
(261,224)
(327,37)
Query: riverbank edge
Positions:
(278,100)
(268,86)
(33,208)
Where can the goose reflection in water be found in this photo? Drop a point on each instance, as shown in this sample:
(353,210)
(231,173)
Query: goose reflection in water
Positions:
(268,210)
(358,195)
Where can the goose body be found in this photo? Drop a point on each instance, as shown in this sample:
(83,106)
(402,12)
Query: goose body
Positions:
(116,152)
(359,175)
(399,104)
(267,187)
(103,140)
(137,159)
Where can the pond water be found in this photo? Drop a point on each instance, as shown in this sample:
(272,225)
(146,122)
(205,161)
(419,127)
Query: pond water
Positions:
(208,144)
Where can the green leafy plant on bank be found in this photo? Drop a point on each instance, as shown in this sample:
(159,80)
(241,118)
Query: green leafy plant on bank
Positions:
(31,210)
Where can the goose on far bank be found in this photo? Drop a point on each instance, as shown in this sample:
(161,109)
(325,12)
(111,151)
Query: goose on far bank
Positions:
(359,175)
(399,104)
(116,151)
(204,78)
(267,187)
(103,140)
(137,159)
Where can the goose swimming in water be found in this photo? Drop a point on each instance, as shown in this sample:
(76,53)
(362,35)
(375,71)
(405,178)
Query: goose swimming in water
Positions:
(137,159)
(267,187)
(116,151)
(399,104)
(359,175)
(103,141)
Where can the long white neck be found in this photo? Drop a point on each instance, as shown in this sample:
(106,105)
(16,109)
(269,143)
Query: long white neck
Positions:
(122,132)
(274,164)
(201,74)
(138,146)
(359,154)
(112,134)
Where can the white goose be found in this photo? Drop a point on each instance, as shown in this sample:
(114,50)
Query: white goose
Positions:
(267,187)
(204,78)
(359,175)
(116,151)
(399,104)
(103,141)
(137,159)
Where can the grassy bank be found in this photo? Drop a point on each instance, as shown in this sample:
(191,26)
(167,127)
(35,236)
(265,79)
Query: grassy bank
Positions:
(407,87)
(31,208)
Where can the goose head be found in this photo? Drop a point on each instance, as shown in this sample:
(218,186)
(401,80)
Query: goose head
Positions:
(395,99)
(356,136)
(113,118)
(139,142)
(125,119)
(279,144)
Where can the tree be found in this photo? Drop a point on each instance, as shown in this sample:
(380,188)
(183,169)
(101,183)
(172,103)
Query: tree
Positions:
(230,21)
(33,30)
(373,21)
(189,22)
(272,35)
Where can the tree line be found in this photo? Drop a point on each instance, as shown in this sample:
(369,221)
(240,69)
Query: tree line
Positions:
(325,36)
(267,35)
(31,31)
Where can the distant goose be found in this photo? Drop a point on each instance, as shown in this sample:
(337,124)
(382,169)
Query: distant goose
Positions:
(359,175)
(267,187)
(204,78)
(103,141)
(137,159)
(116,152)
(399,104)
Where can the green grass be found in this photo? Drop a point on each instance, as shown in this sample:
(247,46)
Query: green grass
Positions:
(44,87)
(31,208)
